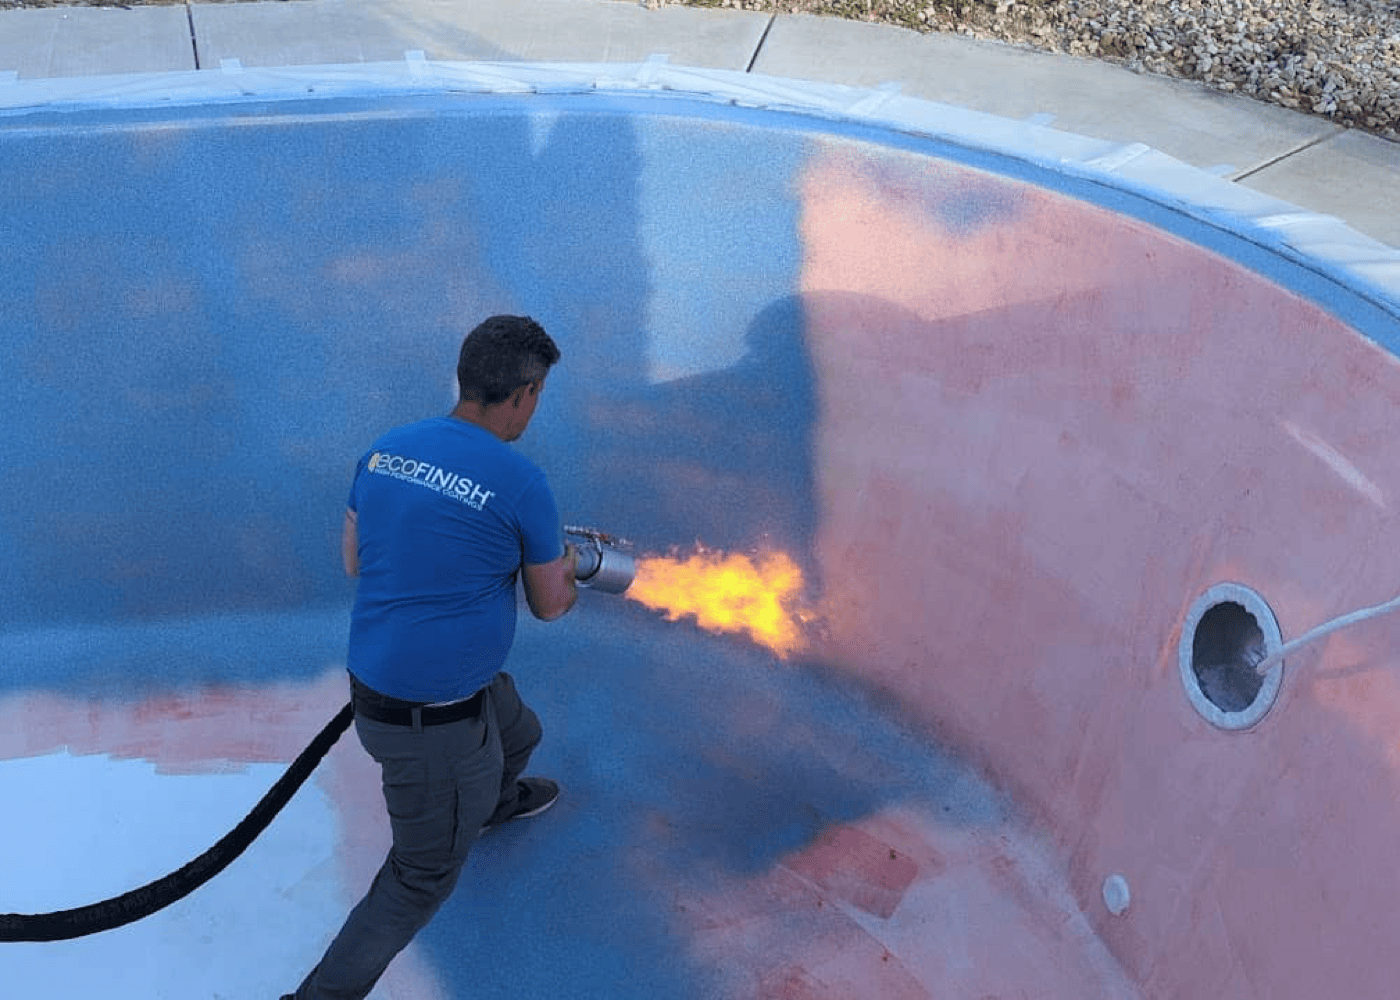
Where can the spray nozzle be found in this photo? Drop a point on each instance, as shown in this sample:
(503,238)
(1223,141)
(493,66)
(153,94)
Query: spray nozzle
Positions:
(601,565)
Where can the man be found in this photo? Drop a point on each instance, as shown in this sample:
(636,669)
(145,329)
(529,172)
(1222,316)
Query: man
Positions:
(443,516)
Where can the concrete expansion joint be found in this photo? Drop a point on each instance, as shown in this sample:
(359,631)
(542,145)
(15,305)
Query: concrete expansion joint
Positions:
(758,48)
(1301,147)
(194,38)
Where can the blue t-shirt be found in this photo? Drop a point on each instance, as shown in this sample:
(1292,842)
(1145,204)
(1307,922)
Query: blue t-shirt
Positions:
(446,513)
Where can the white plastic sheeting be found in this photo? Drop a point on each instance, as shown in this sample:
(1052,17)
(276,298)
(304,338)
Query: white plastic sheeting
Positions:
(1313,239)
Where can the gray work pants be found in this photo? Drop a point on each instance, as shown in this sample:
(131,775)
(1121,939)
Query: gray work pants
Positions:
(441,784)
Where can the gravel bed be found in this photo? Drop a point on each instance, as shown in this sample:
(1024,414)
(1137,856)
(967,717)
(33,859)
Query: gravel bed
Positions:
(1339,59)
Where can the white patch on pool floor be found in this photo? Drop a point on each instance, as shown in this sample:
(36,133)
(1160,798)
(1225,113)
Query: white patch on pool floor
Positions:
(82,829)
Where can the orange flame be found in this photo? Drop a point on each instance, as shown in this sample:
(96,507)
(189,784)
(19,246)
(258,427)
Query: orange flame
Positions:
(727,593)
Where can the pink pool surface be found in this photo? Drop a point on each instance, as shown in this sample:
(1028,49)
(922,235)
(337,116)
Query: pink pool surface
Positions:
(1011,423)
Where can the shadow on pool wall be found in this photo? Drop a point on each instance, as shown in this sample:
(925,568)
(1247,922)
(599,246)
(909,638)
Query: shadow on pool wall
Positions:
(204,349)
(1011,435)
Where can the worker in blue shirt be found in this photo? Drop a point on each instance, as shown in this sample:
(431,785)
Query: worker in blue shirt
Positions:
(443,518)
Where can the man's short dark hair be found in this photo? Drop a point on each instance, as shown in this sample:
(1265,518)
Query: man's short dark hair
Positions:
(502,354)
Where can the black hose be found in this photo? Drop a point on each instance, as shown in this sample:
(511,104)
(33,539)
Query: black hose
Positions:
(131,906)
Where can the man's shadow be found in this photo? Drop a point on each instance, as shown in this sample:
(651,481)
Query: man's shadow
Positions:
(722,458)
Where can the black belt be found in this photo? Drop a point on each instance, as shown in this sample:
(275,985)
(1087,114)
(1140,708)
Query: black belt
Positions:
(381,708)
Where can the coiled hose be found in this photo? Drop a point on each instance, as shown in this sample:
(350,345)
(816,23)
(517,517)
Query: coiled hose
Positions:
(142,902)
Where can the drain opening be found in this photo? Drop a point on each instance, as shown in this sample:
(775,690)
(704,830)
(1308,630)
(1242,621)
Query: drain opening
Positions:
(1228,643)
(1228,630)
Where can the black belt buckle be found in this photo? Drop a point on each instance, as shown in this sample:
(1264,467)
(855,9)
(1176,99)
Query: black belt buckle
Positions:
(391,711)
(437,715)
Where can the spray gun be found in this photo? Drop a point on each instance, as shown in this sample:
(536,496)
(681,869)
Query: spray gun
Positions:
(601,564)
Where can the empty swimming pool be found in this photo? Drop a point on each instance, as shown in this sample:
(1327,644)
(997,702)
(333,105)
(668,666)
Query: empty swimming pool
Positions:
(1012,422)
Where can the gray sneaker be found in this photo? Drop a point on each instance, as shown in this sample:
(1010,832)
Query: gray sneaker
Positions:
(532,797)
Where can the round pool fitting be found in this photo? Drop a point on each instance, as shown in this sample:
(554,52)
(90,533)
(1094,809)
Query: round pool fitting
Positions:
(1227,631)
(1117,896)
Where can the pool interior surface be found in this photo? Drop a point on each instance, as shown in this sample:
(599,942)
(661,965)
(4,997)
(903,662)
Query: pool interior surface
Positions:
(211,311)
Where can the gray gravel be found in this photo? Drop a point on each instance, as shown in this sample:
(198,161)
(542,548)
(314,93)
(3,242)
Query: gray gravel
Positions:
(1339,59)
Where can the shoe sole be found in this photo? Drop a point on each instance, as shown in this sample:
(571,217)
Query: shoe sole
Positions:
(535,811)
(523,815)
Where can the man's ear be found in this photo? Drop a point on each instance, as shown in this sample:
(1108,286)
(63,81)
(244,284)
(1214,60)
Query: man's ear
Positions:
(530,388)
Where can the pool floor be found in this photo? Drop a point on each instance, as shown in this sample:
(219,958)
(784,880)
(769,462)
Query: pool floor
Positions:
(732,826)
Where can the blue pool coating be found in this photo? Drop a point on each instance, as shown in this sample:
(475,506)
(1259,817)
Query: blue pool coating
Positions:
(156,258)
(199,353)
(208,312)
(628,718)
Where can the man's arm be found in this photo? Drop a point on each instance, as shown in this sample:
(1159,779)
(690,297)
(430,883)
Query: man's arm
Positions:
(350,545)
(550,589)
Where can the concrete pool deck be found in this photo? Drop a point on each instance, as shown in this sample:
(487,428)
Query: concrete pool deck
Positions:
(1298,158)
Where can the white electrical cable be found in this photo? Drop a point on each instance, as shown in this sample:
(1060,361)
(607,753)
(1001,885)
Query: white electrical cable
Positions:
(1359,615)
